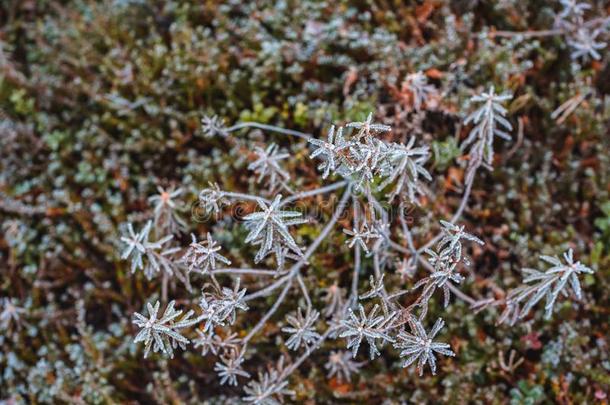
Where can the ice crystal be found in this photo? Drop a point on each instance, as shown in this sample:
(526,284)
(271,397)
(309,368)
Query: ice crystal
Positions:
(419,345)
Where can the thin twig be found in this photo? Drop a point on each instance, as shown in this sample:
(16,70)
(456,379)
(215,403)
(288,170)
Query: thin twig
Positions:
(266,127)
(247,271)
(310,193)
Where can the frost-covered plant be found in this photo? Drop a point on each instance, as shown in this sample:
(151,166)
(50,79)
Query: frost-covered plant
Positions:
(419,346)
(229,368)
(330,151)
(334,299)
(267,164)
(360,237)
(269,389)
(212,126)
(222,305)
(212,199)
(371,327)
(361,157)
(63,160)
(139,248)
(367,127)
(376,289)
(211,342)
(358,157)
(162,334)
(374,172)
(444,262)
(302,329)
(404,164)
(489,121)
(573,8)
(202,256)
(166,217)
(581,36)
(341,365)
(10,314)
(549,284)
(450,246)
(585,44)
(269,229)
(420,90)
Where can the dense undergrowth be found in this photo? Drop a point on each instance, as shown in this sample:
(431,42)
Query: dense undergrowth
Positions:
(101,104)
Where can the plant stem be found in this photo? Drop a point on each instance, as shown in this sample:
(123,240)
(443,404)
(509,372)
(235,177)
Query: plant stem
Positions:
(272,128)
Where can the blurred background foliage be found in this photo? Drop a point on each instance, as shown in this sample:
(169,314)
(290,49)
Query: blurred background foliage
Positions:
(101,103)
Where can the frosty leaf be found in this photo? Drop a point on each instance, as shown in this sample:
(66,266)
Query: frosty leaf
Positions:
(370,327)
(162,334)
(549,284)
(269,229)
(329,151)
(341,365)
(229,368)
(202,256)
(403,164)
(489,122)
(212,126)
(267,164)
(419,346)
(367,127)
(165,210)
(139,247)
(301,329)
(417,85)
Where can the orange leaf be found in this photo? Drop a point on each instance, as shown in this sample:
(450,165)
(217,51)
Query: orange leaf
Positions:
(434,73)
(422,13)
(341,388)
